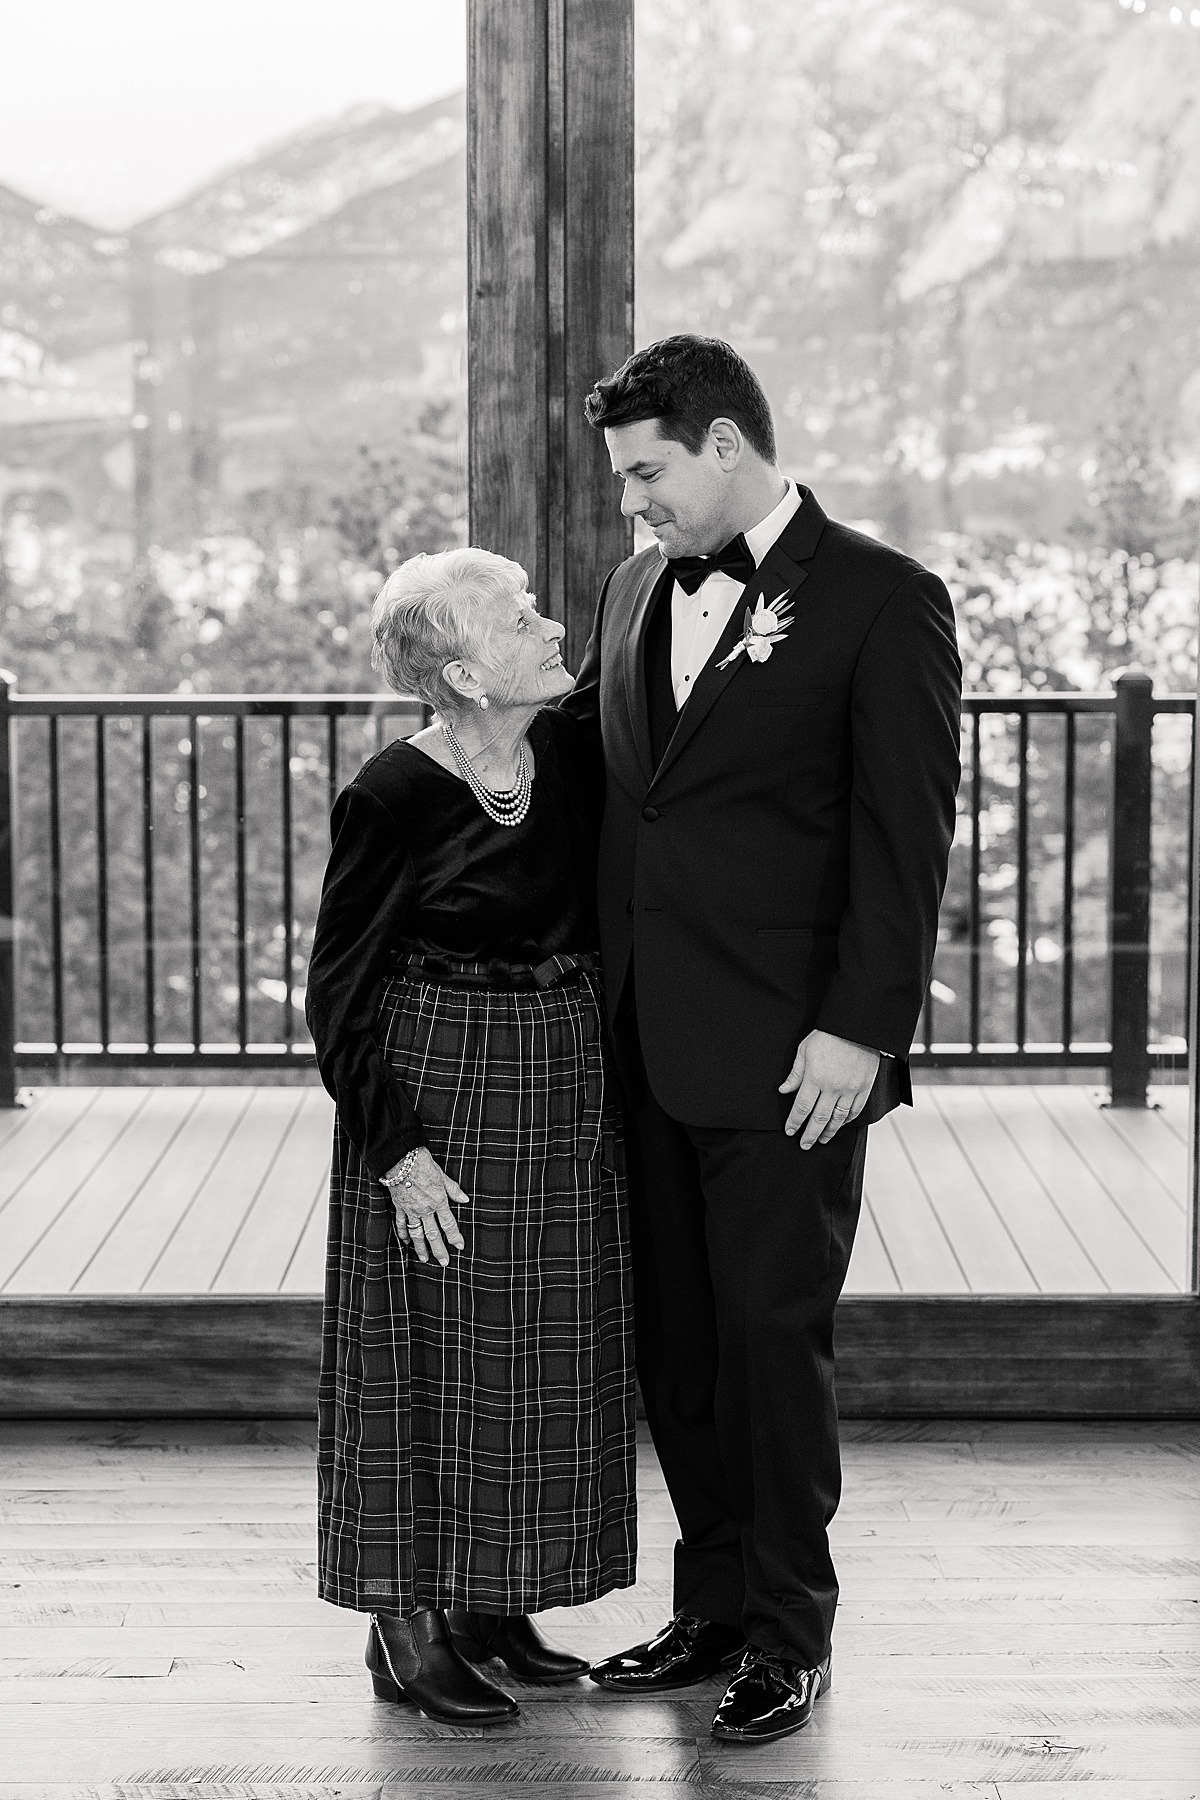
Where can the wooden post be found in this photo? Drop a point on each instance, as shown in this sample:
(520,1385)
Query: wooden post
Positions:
(550,286)
(8,905)
(1129,909)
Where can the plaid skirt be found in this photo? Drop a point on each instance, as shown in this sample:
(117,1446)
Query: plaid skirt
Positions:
(476,1423)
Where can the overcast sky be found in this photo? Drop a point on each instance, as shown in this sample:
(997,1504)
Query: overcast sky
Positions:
(110,109)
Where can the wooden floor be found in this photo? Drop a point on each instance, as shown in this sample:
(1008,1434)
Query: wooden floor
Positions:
(1020,1616)
(222,1190)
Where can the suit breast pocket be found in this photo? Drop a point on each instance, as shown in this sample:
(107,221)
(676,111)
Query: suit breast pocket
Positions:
(801,698)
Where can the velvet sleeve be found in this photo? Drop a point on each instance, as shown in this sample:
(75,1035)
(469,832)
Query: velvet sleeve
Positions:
(581,754)
(369,888)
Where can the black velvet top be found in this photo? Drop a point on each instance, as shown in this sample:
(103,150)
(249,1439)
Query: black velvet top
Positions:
(417,864)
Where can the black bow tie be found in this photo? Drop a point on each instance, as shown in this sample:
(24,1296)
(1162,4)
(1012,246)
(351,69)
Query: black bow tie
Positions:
(734,559)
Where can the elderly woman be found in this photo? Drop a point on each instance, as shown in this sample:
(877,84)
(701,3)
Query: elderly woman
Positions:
(476,1441)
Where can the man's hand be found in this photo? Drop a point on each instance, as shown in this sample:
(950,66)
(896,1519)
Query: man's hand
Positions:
(831,1079)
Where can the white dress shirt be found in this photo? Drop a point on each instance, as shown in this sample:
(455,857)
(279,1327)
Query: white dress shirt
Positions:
(698,620)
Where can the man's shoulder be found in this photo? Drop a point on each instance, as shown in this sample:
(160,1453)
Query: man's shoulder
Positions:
(871,572)
(629,575)
(871,557)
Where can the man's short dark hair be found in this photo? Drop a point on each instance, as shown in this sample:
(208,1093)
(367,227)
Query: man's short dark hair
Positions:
(685,383)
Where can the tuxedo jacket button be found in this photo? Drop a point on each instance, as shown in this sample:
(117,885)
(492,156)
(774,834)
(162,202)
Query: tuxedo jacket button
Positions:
(649,813)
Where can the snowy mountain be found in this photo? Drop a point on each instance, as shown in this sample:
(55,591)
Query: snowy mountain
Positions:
(305,300)
(943,230)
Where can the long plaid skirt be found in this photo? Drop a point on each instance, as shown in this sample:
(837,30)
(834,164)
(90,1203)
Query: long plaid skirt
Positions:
(476,1423)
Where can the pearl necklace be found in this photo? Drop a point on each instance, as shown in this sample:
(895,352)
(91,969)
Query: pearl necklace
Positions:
(507,807)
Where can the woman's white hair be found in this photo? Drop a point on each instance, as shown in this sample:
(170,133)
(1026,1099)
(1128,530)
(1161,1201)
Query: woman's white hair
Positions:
(428,614)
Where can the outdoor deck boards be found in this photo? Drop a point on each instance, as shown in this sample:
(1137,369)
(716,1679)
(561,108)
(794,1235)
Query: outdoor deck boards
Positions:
(221,1190)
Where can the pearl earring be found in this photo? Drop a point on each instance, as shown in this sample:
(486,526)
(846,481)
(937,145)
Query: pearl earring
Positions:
(483,702)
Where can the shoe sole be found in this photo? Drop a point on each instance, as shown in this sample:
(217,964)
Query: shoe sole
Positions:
(546,1680)
(659,1687)
(767,1737)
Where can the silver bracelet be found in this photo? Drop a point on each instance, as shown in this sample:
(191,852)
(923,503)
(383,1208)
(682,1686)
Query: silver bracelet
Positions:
(402,1176)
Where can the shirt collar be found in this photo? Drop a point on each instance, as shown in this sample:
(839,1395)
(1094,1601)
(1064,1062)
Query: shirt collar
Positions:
(764,534)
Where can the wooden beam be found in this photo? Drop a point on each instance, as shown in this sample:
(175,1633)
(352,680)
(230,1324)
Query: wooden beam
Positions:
(1044,1356)
(159,1356)
(550,286)
(1037,1357)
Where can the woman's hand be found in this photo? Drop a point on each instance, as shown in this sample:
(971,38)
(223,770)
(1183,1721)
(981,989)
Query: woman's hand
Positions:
(423,1214)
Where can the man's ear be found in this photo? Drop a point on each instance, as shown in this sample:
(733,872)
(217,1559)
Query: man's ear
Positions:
(728,442)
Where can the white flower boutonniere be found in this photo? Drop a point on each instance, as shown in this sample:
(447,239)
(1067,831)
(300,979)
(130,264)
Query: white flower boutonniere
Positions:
(765,627)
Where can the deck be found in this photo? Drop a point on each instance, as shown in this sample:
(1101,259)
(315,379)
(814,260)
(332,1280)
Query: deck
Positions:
(1019,1617)
(221,1190)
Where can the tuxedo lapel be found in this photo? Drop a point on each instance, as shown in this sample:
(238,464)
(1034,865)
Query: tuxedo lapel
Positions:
(781,572)
(648,591)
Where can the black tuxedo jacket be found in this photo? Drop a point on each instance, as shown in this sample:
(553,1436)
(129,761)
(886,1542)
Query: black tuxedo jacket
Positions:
(782,867)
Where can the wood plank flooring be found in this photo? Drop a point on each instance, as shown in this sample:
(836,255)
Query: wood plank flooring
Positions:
(222,1190)
(1020,1615)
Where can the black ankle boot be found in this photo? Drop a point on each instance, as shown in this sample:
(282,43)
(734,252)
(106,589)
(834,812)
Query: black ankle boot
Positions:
(416,1659)
(519,1645)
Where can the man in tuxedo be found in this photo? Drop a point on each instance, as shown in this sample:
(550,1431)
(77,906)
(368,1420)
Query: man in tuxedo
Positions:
(778,698)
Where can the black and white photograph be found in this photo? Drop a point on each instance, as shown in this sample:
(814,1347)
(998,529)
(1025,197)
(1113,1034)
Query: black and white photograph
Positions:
(599,899)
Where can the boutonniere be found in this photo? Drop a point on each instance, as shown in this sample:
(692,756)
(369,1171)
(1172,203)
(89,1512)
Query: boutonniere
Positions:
(765,627)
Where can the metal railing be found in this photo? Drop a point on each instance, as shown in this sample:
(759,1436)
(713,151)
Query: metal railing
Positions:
(1100,775)
(100,850)
(158,891)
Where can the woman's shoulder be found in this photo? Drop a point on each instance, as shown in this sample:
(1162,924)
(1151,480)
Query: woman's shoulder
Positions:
(395,778)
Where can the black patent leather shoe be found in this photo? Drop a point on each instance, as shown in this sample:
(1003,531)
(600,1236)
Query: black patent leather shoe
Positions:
(415,1659)
(769,1698)
(686,1651)
(519,1645)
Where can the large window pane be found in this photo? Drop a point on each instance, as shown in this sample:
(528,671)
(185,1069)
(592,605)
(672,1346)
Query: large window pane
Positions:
(960,243)
(232,335)
(232,398)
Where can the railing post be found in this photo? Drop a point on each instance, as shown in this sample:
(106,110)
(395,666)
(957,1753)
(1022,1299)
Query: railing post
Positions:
(8,909)
(1129,888)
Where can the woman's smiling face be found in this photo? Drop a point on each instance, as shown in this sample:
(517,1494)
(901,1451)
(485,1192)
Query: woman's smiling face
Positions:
(524,665)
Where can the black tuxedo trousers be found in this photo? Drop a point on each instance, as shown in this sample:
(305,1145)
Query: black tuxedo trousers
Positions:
(741,1241)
